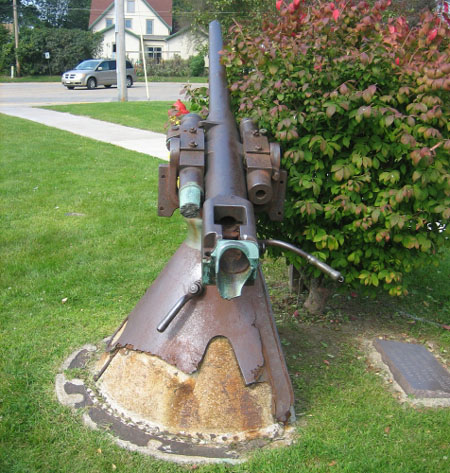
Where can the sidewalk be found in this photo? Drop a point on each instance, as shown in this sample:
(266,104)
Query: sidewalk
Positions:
(147,142)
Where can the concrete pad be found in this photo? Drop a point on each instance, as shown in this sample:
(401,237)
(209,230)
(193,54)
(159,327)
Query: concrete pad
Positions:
(142,141)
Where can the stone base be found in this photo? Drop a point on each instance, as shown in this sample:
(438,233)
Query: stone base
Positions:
(149,406)
(213,400)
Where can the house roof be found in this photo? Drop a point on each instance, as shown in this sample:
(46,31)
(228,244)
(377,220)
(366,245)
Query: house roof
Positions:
(162,7)
(187,29)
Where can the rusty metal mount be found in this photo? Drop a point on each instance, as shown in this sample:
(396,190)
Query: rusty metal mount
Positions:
(247,322)
(266,182)
(186,144)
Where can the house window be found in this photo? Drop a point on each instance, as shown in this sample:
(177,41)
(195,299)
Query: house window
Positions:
(131,6)
(128,23)
(148,26)
(154,53)
(109,22)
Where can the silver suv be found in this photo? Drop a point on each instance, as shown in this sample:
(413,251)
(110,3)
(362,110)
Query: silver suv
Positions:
(93,72)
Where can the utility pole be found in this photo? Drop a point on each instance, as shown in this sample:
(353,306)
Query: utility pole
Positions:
(16,37)
(120,51)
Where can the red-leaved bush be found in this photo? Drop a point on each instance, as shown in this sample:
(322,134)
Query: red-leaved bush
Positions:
(360,104)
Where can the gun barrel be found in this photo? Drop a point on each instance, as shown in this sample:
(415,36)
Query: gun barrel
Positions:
(225,174)
(230,251)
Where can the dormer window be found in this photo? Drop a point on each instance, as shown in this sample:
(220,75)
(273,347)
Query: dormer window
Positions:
(148,26)
(131,6)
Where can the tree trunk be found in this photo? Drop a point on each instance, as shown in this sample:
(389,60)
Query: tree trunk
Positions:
(296,280)
(317,297)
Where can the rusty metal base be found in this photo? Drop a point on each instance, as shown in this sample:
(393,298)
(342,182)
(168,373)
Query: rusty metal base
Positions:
(133,431)
(246,322)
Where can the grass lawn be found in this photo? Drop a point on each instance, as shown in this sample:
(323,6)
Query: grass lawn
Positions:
(146,115)
(30,79)
(78,221)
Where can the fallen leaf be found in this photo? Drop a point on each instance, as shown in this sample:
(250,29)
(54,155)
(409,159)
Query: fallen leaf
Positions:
(387,430)
(446,327)
(296,313)
(326,362)
(63,301)
(332,463)
(99,450)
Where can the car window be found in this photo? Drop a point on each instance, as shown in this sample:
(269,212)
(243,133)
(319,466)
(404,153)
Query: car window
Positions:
(87,65)
(112,65)
(129,65)
(104,65)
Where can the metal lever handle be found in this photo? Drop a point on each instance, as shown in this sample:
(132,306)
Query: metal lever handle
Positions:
(195,289)
(328,270)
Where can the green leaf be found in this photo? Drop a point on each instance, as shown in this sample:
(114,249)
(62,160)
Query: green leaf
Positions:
(389,120)
(374,280)
(331,110)
(375,215)
(315,139)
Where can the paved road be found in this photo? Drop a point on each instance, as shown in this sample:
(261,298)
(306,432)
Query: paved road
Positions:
(52,93)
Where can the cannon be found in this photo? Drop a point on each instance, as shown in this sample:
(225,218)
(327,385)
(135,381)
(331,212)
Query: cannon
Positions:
(200,355)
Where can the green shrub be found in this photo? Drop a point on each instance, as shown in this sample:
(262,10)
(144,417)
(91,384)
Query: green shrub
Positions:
(176,67)
(360,105)
(6,50)
(197,65)
(66,47)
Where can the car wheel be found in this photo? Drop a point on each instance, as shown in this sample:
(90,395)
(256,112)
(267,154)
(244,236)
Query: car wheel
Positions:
(91,83)
(107,86)
(70,87)
(129,81)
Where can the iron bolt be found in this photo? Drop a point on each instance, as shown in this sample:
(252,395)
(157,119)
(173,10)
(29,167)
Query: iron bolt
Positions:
(193,130)
(193,144)
(258,148)
(255,132)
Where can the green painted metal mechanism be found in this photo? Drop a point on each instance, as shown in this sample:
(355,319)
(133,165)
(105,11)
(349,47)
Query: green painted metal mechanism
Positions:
(233,263)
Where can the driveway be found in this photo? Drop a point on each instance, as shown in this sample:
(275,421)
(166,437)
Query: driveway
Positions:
(53,93)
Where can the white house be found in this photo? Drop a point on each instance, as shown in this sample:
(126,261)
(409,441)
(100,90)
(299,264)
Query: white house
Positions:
(147,22)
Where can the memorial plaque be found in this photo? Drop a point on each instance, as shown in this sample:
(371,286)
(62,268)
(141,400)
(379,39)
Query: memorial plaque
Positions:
(415,369)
